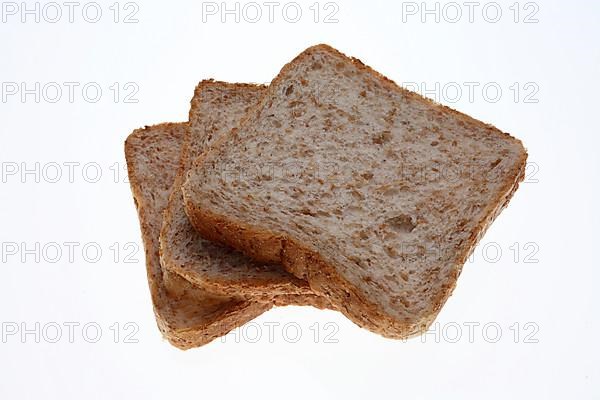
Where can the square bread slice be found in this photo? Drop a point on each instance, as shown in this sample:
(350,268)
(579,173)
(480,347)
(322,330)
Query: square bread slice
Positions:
(187,316)
(374,194)
(216,108)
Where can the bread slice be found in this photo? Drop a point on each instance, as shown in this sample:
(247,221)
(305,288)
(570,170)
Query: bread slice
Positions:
(372,193)
(216,108)
(186,315)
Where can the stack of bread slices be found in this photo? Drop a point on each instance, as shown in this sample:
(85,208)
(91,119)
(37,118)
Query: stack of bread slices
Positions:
(332,187)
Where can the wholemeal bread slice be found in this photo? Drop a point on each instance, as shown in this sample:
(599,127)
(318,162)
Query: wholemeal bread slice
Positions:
(187,316)
(216,108)
(372,193)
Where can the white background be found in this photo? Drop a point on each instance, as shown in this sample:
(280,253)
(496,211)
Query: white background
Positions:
(546,292)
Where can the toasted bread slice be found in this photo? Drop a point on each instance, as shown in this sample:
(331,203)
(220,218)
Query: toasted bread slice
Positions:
(216,108)
(187,316)
(374,194)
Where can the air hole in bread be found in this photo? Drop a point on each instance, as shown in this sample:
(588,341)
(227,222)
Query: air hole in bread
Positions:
(401,223)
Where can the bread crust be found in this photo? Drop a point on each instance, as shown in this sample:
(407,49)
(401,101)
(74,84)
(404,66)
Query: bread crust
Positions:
(187,315)
(267,246)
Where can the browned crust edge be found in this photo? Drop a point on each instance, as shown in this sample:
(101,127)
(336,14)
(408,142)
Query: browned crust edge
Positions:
(267,246)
